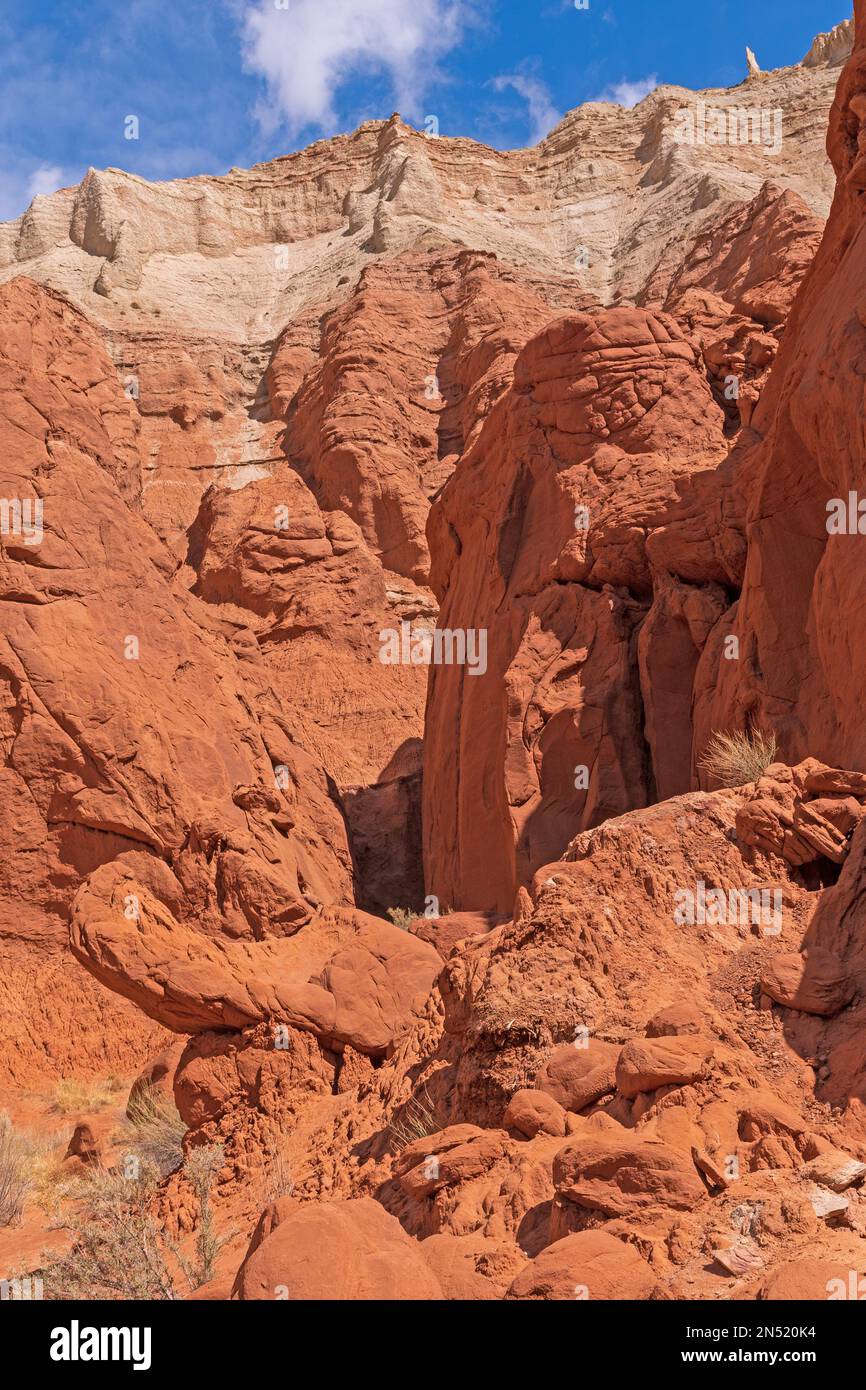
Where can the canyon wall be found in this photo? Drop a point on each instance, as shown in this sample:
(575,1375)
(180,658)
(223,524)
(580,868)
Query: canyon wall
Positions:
(252,425)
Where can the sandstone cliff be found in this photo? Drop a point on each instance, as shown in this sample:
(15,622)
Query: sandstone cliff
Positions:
(590,399)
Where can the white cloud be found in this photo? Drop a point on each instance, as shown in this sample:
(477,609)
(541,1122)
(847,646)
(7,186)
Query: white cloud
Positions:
(627,93)
(20,184)
(308,49)
(543,115)
(47,178)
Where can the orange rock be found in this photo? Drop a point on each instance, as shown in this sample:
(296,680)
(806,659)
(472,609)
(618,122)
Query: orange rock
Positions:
(209,772)
(448,1158)
(156,1081)
(575,1075)
(815,982)
(587,1265)
(676,1020)
(815,1281)
(645,1064)
(534,1112)
(337,1251)
(84,1146)
(538,540)
(471,1267)
(624,1176)
(349,979)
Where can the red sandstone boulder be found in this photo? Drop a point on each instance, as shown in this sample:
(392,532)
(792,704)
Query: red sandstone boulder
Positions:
(676,1020)
(472,1267)
(811,1280)
(645,1064)
(534,1112)
(85,1146)
(155,1083)
(815,982)
(449,1158)
(622,1176)
(587,1265)
(349,978)
(576,1075)
(337,1251)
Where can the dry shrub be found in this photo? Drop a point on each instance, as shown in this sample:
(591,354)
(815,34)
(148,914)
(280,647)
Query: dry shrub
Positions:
(402,917)
(155,1130)
(17,1171)
(121,1251)
(734,759)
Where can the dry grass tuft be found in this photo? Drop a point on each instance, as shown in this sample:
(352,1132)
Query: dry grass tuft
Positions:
(735,759)
(402,917)
(416,1120)
(155,1131)
(17,1171)
(70,1097)
(278,1180)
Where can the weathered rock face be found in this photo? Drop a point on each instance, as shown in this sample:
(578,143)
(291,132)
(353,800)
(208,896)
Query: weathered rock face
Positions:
(802,664)
(626,1056)
(350,979)
(434,337)
(327,552)
(328,310)
(129,727)
(688,1152)
(539,543)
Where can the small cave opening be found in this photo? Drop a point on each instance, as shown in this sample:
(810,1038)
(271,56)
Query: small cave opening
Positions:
(383,820)
(821,873)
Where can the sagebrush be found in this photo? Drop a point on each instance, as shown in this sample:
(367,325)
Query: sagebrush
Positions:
(121,1250)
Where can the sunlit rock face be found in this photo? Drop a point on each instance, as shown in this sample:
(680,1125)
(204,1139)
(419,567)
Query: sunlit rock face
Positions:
(386,533)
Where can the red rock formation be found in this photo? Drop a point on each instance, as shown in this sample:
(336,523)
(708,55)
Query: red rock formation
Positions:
(129,728)
(539,541)
(621,1055)
(801,665)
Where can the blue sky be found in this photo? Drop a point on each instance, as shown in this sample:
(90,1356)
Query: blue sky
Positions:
(216,83)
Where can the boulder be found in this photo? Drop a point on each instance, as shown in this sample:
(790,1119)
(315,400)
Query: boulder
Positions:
(534,1112)
(645,1064)
(587,1265)
(675,1020)
(815,1280)
(336,1252)
(85,1146)
(349,978)
(575,1075)
(815,982)
(623,1176)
